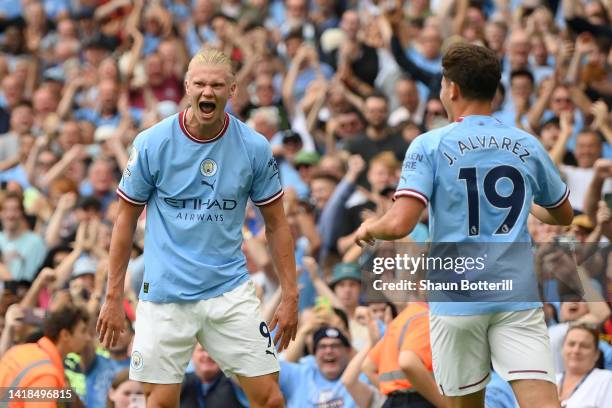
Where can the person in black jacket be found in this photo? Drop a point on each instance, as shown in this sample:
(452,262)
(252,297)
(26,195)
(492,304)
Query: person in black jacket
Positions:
(207,386)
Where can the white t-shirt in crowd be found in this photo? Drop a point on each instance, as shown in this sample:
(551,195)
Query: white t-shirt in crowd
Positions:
(594,392)
(578,180)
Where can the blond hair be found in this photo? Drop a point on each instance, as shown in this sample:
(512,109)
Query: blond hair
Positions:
(211,56)
(267,113)
(387,159)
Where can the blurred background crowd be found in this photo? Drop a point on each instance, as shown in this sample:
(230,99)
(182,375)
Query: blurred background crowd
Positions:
(340,88)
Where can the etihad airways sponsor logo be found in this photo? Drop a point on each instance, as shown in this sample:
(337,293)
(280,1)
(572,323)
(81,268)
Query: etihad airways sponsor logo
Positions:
(197,203)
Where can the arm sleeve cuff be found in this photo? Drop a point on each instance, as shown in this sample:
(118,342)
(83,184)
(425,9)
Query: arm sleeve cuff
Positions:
(129,199)
(270,199)
(559,201)
(406,192)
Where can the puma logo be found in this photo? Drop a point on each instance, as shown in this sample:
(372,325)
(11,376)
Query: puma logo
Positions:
(211,185)
(271,353)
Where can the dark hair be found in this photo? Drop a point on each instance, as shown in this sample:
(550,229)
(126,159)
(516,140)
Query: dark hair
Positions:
(554,121)
(522,73)
(48,262)
(23,103)
(393,308)
(378,95)
(594,132)
(252,25)
(295,33)
(353,111)
(502,90)
(342,315)
(224,17)
(324,175)
(34,336)
(405,124)
(603,44)
(89,203)
(65,318)
(475,69)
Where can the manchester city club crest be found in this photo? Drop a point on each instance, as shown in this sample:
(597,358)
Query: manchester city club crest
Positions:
(208,167)
(137,361)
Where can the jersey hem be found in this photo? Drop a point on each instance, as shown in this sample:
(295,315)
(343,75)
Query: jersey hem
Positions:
(208,294)
(484,309)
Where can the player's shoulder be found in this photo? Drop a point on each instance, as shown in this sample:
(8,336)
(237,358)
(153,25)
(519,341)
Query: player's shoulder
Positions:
(159,133)
(527,143)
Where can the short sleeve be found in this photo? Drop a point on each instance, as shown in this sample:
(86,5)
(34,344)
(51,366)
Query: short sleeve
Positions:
(417,175)
(266,186)
(551,191)
(137,183)
(416,339)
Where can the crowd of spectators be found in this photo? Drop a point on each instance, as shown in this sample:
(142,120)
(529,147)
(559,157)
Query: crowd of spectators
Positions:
(340,88)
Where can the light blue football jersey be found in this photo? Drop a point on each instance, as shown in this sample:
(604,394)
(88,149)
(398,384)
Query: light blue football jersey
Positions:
(196,193)
(480,178)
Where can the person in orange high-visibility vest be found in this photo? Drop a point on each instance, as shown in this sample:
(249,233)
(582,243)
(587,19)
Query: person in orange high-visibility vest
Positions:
(38,367)
(400,363)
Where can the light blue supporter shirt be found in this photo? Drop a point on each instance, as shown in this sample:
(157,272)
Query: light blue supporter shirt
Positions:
(304,386)
(99,378)
(480,178)
(196,193)
(24,255)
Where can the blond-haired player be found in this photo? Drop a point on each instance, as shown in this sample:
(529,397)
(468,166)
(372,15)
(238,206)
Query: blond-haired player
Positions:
(195,172)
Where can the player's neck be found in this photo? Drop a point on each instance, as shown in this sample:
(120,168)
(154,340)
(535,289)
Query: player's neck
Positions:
(203,131)
(469,108)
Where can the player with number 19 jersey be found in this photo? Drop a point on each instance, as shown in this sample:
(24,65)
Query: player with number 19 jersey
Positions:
(480,179)
(196,193)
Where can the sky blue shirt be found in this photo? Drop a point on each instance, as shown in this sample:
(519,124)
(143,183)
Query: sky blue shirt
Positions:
(23,256)
(10,9)
(17,174)
(480,178)
(99,379)
(196,193)
(55,7)
(499,393)
(96,118)
(303,386)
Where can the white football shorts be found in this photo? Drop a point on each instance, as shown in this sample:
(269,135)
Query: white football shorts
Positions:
(229,327)
(463,349)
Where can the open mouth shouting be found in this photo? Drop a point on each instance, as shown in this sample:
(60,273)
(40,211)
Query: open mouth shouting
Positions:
(207,109)
(329,360)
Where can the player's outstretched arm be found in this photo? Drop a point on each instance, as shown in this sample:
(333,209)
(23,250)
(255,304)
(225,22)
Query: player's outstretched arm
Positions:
(112,317)
(395,224)
(280,242)
(561,215)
